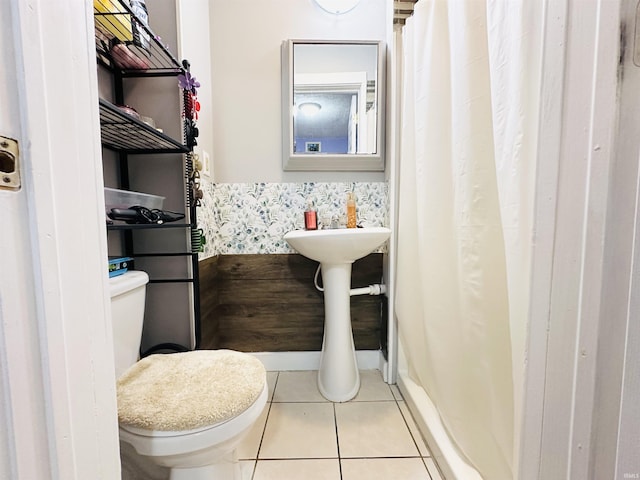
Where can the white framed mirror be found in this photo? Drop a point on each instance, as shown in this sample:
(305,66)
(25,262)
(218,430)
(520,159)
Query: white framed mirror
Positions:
(333,105)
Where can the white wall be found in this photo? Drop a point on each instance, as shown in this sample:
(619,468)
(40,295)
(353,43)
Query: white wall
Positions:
(245,56)
(194,45)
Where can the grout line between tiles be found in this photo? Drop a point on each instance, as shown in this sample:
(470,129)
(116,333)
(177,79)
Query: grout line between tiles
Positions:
(339,458)
(325,402)
(426,468)
(415,443)
(423,458)
(435,466)
(280,459)
(255,464)
(264,429)
(335,426)
(382,458)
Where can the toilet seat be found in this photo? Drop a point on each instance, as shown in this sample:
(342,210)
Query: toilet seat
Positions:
(188,391)
(156,443)
(182,390)
(177,433)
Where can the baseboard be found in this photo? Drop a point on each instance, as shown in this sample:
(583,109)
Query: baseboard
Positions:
(290,361)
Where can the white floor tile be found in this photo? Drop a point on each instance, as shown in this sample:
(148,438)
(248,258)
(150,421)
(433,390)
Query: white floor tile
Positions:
(246,469)
(413,428)
(297,469)
(248,447)
(372,387)
(373,429)
(298,387)
(300,430)
(384,469)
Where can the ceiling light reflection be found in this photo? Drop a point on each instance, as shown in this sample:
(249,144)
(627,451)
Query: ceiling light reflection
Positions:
(309,108)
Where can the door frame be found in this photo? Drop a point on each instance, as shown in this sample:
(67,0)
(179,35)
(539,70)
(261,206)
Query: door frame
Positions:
(577,189)
(57,375)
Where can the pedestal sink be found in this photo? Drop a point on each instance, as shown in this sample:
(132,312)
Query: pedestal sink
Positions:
(336,250)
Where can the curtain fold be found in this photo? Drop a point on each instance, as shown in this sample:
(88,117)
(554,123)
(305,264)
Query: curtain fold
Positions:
(463,219)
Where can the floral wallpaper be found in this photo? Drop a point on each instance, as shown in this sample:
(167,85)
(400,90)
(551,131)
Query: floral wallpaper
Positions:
(241,218)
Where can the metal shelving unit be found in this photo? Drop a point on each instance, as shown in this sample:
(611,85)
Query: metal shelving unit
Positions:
(116,26)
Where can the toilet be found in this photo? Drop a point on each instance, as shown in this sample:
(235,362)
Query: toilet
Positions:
(187,411)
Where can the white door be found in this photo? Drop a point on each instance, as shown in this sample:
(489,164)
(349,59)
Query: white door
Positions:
(18,346)
(56,357)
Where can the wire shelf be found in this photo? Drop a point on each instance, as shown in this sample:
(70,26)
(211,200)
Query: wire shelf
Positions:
(124,133)
(125,43)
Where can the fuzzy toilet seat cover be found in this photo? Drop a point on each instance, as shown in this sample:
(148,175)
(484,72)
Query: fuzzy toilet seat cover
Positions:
(185,391)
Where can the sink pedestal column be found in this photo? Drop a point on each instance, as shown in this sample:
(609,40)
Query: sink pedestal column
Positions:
(338,377)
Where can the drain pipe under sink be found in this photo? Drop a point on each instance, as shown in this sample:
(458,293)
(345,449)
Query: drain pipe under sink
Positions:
(376,289)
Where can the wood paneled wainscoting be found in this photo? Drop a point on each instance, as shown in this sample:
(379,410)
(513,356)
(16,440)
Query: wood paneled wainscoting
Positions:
(268,303)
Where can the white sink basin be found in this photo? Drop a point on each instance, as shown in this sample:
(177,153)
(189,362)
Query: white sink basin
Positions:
(336,250)
(343,245)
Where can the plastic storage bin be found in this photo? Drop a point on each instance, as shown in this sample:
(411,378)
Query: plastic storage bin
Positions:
(114,198)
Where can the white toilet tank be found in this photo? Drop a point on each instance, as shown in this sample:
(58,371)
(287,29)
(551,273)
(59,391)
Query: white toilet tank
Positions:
(128,292)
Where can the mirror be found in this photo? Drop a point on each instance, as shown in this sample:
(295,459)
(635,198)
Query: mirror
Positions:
(332,105)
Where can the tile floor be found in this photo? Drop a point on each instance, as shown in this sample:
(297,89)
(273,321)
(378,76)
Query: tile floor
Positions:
(301,435)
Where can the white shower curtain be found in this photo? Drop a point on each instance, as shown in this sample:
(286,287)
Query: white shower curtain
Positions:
(464,217)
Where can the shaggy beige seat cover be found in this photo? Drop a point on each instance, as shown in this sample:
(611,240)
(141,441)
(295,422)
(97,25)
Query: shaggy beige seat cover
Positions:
(184,391)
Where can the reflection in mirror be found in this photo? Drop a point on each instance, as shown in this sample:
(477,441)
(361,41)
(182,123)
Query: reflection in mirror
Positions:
(339,96)
(332,115)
